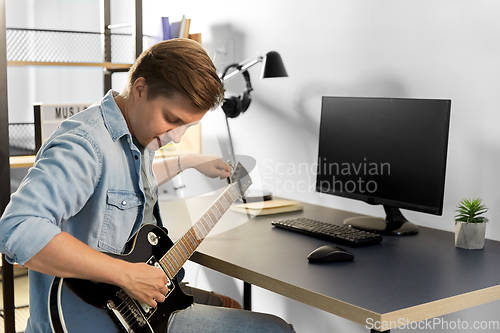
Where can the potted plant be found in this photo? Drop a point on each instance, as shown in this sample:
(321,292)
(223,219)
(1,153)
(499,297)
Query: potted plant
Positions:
(470,225)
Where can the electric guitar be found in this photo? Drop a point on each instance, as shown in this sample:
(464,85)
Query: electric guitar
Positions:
(83,306)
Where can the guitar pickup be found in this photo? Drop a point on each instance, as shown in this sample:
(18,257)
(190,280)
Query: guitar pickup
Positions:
(153,262)
(148,311)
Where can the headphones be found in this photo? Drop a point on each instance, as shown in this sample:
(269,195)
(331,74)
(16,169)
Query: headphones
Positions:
(234,106)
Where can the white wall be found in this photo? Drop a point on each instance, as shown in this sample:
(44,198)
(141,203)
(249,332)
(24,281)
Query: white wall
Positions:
(415,48)
(419,49)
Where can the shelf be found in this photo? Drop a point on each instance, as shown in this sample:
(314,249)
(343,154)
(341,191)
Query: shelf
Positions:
(22,161)
(15,265)
(28,161)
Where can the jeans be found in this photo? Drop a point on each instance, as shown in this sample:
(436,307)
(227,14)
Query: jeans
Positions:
(207,315)
(212,319)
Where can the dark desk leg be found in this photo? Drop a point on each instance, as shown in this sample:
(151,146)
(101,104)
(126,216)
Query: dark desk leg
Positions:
(247,296)
(8,296)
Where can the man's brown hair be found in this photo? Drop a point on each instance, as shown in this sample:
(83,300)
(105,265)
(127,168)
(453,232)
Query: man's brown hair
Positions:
(179,65)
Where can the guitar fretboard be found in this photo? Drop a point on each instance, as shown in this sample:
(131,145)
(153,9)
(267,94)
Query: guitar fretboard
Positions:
(180,252)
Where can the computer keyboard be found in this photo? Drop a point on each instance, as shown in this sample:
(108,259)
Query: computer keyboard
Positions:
(334,233)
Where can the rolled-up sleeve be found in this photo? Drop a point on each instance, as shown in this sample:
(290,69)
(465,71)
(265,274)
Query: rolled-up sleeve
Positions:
(63,178)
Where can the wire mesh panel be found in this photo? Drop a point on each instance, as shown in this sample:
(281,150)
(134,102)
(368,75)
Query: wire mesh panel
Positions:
(122,48)
(22,139)
(53,46)
(69,46)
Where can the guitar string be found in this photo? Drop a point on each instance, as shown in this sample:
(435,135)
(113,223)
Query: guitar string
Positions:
(187,245)
(175,256)
(184,248)
(125,305)
(126,318)
(131,306)
(123,312)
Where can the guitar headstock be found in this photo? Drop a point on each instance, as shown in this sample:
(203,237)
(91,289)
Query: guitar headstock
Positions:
(240,177)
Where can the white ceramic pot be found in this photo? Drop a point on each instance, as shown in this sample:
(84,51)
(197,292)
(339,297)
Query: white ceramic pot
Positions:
(470,235)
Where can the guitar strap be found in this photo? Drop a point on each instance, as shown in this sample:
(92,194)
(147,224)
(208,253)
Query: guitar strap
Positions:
(148,180)
(156,213)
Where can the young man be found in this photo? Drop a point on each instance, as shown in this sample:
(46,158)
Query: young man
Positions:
(92,187)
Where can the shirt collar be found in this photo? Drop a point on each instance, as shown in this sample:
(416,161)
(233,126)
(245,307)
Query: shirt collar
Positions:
(113,117)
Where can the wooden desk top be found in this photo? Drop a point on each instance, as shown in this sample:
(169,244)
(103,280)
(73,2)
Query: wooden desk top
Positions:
(412,278)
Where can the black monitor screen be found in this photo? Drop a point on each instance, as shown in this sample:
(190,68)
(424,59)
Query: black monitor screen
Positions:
(389,151)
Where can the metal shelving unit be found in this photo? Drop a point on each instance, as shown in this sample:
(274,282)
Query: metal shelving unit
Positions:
(35,47)
(7,269)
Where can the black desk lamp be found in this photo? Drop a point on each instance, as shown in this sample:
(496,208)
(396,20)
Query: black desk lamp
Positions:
(234,106)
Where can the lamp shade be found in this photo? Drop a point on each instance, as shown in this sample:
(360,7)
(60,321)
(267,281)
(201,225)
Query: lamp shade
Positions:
(273,66)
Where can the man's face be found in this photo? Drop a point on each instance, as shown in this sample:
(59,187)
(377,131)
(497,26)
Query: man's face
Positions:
(148,120)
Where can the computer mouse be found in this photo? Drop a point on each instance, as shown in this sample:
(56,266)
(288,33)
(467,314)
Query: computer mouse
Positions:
(330,253)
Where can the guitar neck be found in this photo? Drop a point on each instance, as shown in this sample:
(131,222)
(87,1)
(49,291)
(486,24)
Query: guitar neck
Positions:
(182,250)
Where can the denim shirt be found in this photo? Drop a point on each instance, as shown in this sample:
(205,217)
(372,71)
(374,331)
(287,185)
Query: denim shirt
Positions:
(85,181)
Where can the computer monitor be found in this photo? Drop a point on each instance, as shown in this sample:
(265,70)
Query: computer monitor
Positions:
(387,151)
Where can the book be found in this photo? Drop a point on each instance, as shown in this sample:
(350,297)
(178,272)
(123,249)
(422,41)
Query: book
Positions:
(186,28)
(182,27)
(175,29)
(268,207)
(178,29)
(196,37)
(166,28)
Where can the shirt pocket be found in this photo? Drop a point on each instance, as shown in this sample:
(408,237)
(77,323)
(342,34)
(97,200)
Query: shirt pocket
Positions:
(123,209)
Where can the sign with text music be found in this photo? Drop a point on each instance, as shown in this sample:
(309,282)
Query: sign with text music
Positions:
(49,116)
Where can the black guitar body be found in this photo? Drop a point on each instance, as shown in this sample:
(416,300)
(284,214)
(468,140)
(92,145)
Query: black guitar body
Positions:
(82,306)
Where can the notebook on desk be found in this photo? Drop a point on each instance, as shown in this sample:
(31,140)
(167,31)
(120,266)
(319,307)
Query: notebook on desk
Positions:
(268,207)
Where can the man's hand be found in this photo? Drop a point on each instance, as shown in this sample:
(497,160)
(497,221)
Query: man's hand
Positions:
(210,166)
(67,257)
(145,283)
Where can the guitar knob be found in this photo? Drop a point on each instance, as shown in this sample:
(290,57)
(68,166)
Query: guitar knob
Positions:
(152,238)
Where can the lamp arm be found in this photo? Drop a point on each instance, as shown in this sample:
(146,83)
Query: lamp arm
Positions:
(242,66)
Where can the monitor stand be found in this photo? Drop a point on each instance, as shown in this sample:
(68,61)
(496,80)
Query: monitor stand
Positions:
(394,224)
